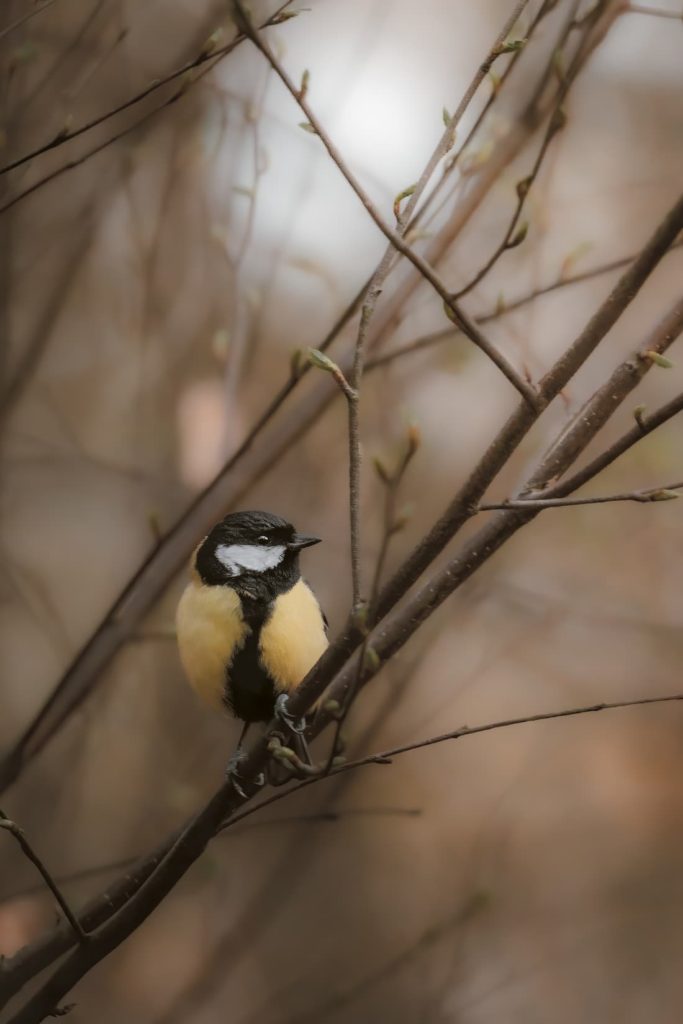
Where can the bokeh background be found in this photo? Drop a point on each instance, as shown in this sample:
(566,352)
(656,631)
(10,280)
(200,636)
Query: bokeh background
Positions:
(154,296)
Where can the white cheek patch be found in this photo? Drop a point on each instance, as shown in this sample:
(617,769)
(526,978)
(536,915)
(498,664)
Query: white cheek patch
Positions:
(239,558)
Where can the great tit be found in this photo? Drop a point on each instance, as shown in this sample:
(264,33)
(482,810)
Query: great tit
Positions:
(249,627)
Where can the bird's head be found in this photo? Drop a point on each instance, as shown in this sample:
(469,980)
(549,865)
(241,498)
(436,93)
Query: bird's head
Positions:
(248,550)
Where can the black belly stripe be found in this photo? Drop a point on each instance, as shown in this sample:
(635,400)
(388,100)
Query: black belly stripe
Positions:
(250,692)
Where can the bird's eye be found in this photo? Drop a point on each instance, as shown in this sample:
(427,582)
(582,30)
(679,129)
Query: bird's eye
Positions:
(263,539)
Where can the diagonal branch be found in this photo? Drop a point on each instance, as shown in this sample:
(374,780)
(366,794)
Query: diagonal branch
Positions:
(644,426)
(30,854)
(397,241)
(206,55)
(644,496)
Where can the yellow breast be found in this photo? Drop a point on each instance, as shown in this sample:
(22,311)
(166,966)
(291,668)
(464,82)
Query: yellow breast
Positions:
(210,630)
(293,638)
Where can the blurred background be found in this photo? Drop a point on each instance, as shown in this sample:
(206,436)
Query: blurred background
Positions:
(155,295)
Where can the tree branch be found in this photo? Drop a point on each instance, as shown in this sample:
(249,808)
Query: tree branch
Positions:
(646,495)
(30,854)
(425,269)
(206,55)
(644,426)
(501,310)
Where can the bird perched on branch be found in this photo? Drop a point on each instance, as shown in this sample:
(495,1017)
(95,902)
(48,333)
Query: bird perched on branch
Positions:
(249,627)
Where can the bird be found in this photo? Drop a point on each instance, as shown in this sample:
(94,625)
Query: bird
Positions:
(248,626)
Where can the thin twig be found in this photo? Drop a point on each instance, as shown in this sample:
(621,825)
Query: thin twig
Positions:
(656,12)
(206,55)
(646,495)
(386,756)
(390,527)
(510,240)
(30,854)
(317,818)
(23,19)
(425,269)
(403,623)
(501,309)
(644,425)
(373,292)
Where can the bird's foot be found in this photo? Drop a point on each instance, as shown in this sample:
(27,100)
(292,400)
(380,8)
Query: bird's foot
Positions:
(232,772)
(281,712)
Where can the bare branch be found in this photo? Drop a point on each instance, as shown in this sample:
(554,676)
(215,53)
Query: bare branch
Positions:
(23,19)
(501,309)
(655,12)
(386,756)
(30,854)
(402,624)
(645,495)
(425,269)
(206,55)
(512,238)
(644,426)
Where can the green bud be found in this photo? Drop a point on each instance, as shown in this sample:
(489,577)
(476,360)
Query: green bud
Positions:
(659,360)
(638,414)
(518,236)
(664,495)
(372,659)
(511,46)
(400,197)
(381,469)
(321,361)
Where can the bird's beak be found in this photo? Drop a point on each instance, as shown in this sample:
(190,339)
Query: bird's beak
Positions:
(300,541)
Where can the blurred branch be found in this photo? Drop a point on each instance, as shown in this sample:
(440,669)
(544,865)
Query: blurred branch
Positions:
(207,54)
(647,495)
(318,818)
(396,239)
(348,993)
(655,12)
(22,21)
(30,854)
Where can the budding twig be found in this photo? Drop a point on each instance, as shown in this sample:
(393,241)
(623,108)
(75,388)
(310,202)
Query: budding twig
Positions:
(398,242)
(646,495)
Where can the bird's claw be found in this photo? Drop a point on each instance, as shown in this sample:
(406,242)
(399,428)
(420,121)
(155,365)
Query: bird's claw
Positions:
(233,774)
(281,712)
